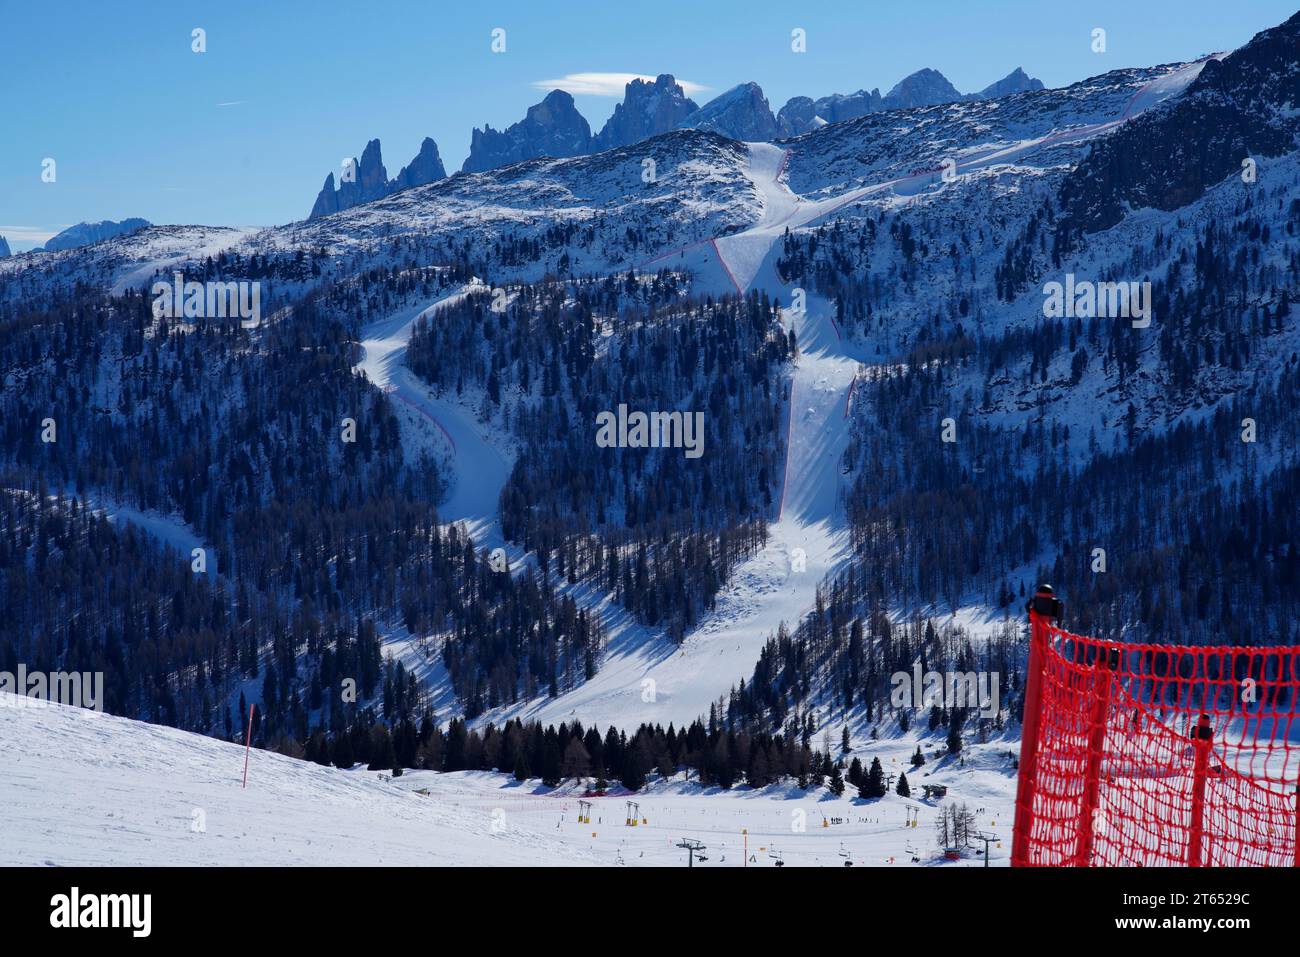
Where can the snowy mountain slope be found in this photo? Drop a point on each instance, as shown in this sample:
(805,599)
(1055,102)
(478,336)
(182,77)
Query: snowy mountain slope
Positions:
(1094,401)
(889,145)
(115,264)
(83,788)
(656,681)
(721,211)
(83,234)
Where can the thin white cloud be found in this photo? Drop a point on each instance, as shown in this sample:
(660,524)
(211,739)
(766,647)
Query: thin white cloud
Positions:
(28,234)
(605,84)
(231,103)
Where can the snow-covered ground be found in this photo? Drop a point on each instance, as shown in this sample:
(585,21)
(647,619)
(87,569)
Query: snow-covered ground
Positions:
(82,788)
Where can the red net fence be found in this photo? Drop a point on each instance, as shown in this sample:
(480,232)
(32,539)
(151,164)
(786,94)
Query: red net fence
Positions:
(1157,755)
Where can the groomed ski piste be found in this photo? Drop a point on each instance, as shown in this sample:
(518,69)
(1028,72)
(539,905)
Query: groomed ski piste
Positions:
(83,788)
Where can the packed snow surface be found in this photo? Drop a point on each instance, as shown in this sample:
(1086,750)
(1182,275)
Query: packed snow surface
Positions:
(83,788)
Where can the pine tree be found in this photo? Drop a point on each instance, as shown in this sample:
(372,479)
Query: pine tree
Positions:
(954,730)
(918,758)
(874,785)
(382,755)
(845,747)
(343,757)
(836,784)
(855,773)
(577,763)
(903,790)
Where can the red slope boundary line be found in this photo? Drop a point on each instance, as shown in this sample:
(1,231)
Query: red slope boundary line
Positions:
(718,252)
(425,412)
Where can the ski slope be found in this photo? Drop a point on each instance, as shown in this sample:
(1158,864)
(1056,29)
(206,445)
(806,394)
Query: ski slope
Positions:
(656,681)
(480,464)
(439,425)
(83,788)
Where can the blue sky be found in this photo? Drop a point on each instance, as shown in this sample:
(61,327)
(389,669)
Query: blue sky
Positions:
(139,125)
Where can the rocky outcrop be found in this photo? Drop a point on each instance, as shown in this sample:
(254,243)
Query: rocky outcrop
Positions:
(741,113)
(648,109)
(360,181)
(425,168)
(802,114)
(553,127)
(365,180)
(4,248)
(83,234)
(923,88)
(1017,81)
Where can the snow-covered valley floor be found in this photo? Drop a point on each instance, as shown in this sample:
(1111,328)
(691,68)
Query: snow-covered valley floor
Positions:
(83,788)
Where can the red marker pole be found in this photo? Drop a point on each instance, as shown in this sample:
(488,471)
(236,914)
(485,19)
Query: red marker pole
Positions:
(248,741)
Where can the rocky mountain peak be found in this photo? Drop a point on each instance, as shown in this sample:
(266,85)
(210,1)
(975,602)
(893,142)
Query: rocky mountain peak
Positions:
(648,109)
(742,113)
(553,127)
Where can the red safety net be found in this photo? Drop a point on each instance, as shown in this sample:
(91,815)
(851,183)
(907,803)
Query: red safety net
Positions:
(1158,755)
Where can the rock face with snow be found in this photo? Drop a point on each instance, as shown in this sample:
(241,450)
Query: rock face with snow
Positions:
(741,113)
(367,179)
(647,110)
(4,247)
(553,127)
(1017,81)
(83,234)
(923,88)
(359,182)
(802,113)
(425,168)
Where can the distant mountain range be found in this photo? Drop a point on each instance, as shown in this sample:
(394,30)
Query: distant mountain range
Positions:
(84,234)
(555,128)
